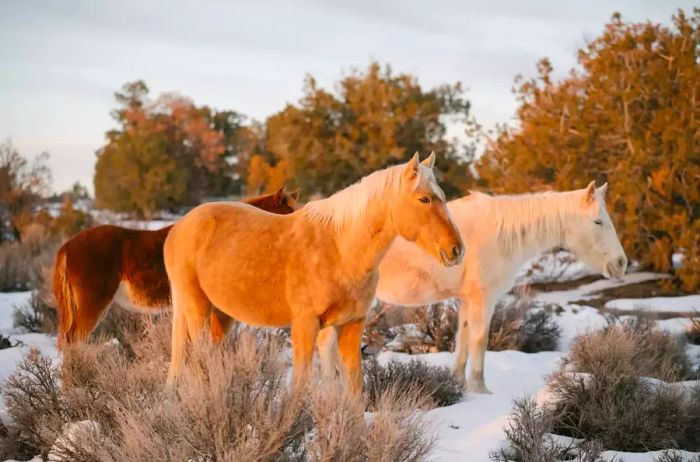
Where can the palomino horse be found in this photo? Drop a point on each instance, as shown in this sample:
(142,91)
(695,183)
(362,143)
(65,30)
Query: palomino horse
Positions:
(312,269)
(106,260)
(502,233)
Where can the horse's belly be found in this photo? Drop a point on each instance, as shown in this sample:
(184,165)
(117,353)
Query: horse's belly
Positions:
(408,284)
(253,303)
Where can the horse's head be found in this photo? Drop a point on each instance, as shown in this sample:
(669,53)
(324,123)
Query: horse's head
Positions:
(420,213)
(284,202)
(591,235)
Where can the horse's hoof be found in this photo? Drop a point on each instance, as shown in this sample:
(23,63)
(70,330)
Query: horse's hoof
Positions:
(459,378)
(479,387)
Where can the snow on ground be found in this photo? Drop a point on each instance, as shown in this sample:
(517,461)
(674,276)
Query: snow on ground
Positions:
(9,357)
(682,304)
(587,291)
(8,300)
(470,429)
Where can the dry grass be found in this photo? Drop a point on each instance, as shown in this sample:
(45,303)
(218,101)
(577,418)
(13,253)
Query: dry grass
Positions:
(693,333)
(675,456)
(38,314)
(529,438)
(233,403)
(609,399)
(634,347)
(436,384)
(515,325)
(22,264)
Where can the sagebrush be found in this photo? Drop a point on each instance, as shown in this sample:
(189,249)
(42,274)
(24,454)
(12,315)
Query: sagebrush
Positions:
(615,389)
(436,384)
(232,403)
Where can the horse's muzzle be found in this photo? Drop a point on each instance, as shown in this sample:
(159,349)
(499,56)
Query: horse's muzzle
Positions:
(455,257)
(616,269)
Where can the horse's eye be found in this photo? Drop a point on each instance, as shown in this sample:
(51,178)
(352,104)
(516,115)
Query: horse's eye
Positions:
(425,200)
(598,222)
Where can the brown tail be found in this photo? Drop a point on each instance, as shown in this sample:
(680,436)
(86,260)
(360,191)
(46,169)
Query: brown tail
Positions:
(65,301)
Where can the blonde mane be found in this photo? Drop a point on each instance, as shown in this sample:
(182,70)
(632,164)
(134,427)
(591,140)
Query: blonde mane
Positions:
(349,205)
(518,219)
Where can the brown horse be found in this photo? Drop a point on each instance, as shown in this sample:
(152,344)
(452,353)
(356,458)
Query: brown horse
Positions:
(110,263)
(314,268)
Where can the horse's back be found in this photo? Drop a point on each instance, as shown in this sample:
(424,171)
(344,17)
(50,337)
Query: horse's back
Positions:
(143,267)
(238,256)
(94,249)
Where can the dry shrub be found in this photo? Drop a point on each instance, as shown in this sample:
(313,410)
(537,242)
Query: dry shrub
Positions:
(37,314)
(126,326)
(516,325)
(436,384)
(33,401)
(232,403)
(633,347)
(529,437)
(22,263)
(5,342)
(609,399)
(693,333)
(675,456)
(438,324)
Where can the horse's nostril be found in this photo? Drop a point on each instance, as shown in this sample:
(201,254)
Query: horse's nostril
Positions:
(455,252)
(621,261)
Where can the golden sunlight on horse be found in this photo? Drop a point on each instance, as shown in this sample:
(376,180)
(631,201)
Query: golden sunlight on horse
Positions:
(312,269)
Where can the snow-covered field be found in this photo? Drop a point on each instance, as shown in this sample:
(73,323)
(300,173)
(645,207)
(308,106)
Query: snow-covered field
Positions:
(472,428)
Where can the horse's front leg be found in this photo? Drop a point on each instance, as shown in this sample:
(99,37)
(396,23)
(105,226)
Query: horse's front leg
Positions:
(304,332)
(480,311)
(327,344)
(462,341)
(219,325)
(349,344)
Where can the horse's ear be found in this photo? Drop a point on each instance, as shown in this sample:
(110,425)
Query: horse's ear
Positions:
(411,169)
(295,194)
(279,195)
(430,160)
(603,189)
(589,193)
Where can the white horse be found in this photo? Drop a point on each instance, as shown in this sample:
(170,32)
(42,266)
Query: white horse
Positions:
(500,233)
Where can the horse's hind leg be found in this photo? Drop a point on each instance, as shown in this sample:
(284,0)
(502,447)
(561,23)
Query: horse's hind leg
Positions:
(304,332)
(480,312)
(219,324)
(349,345)
(91,306)
(462,341)
(327,344)
(191,308)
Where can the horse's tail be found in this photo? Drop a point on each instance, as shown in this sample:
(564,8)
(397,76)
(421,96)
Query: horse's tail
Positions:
(65,300)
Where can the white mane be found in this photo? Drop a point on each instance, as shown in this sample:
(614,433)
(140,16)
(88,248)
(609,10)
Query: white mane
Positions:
(519,219)
(348,205)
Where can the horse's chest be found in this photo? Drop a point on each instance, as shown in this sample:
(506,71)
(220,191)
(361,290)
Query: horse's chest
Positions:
(350,302)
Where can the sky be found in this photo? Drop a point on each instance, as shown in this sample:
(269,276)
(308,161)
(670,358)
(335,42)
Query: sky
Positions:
(63,60)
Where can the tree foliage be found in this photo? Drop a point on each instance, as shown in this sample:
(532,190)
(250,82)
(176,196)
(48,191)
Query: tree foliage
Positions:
(23,182)
(375,118)
(165,153)
(630,115)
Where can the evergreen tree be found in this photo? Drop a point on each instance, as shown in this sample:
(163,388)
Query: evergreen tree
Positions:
(630,116)
(376,118)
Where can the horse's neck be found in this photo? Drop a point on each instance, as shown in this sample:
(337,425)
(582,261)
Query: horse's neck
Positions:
(544,229)
(363,244)
(538,229)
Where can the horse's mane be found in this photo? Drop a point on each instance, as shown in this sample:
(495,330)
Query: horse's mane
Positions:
(518,218)
(348,205)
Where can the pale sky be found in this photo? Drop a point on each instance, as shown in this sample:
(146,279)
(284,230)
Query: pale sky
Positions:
(63,60)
